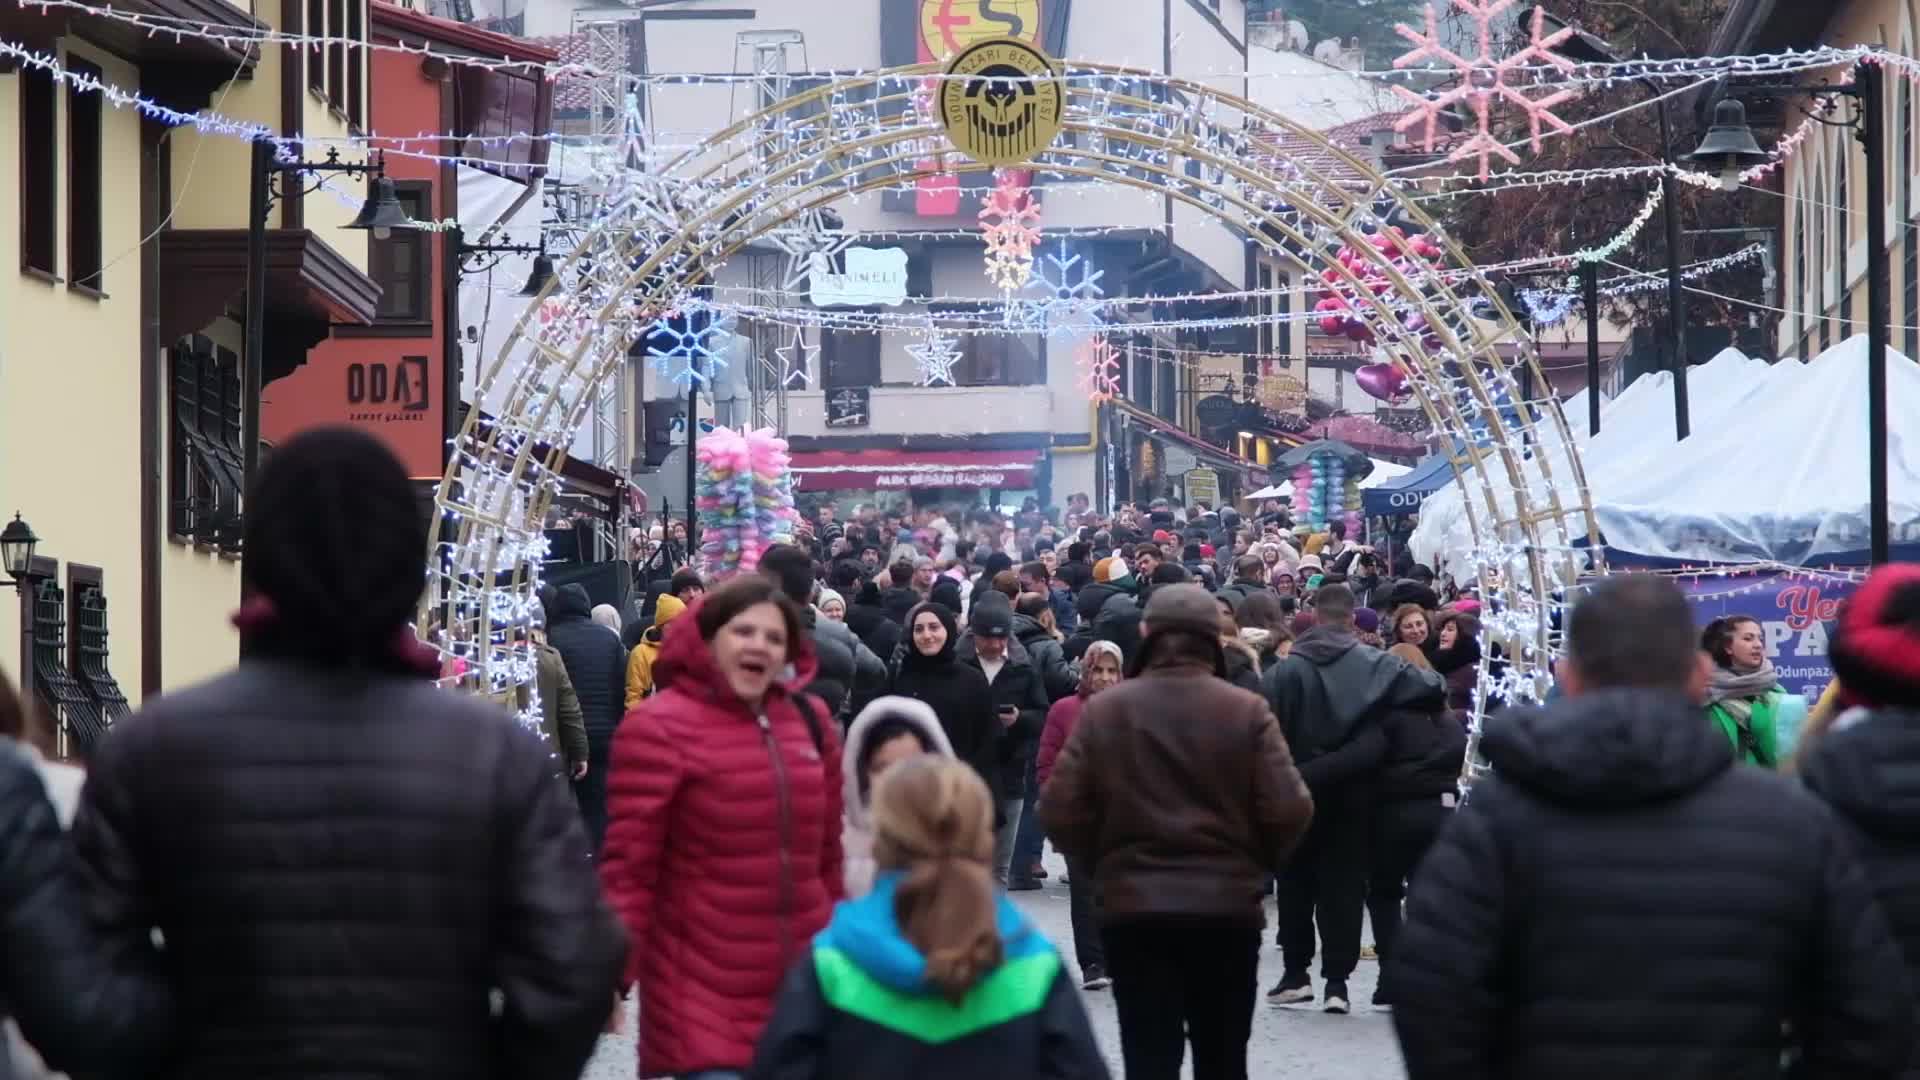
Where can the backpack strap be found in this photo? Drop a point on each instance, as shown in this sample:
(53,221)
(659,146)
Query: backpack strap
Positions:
(804,701)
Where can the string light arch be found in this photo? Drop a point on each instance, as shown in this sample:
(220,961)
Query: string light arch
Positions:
(664,236)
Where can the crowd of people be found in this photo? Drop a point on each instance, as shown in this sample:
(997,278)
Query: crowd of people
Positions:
(786,811)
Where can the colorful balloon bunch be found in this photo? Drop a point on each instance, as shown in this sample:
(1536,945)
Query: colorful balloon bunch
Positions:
(1323,492)
(744,493)
(1341,303)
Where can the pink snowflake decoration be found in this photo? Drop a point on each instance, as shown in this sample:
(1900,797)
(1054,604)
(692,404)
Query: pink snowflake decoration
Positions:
(1010,225)
(1485,81)
(1099,365)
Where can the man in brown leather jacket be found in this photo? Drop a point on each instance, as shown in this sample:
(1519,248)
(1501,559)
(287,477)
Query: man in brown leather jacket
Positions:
(1178,788)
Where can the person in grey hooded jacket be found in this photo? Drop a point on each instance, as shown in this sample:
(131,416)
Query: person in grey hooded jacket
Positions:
(849,675)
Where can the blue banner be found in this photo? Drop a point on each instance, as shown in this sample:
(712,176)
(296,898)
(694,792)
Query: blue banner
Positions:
(1796,610)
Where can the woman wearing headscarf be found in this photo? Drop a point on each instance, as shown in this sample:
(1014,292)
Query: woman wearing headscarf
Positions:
(930,671)
(606,615)
(723,841)
(327,841)
(888,731)
(1100,668)
(1744,696)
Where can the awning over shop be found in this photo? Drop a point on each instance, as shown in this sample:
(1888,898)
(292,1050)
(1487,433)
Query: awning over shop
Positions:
(1206,453)
(1404,494)
(902,470)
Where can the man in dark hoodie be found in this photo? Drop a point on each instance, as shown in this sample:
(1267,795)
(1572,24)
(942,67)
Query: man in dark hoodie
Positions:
(849,674)
(597,664)
(1020,700)
(1620,899)
(1330,695)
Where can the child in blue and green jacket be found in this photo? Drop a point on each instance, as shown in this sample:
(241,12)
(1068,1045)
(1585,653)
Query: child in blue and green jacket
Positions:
(934,974)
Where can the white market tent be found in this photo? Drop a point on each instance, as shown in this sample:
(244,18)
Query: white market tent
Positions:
(1775,468)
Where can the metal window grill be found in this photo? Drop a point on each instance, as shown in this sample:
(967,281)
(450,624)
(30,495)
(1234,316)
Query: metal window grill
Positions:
(79,725)
(90,656)
(206,452)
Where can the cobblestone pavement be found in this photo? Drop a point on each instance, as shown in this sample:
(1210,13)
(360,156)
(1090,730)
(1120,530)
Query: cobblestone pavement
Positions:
(1300,1041)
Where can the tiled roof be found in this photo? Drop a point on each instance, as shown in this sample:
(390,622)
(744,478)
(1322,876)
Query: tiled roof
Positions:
(570,91)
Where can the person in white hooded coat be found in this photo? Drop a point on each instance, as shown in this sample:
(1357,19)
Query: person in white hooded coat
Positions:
(888,731)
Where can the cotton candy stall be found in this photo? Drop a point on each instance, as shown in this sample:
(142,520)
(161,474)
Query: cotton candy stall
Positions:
(744,495)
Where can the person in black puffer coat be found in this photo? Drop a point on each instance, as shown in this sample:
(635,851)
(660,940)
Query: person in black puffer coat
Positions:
(597,666)
(355,872)
(1417,789)
(866,616)
(1616,899)
(849,675)
(930,671)
(1058,676)
(1867,766)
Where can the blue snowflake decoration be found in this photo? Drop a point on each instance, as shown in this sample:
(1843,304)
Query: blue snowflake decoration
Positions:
(690,348)
(1068,289)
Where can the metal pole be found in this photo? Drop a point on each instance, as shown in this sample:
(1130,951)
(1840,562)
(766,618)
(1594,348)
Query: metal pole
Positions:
(24,587)
(256,302)
(1590,297)
(1676,294)
(1868,81)
(693,439)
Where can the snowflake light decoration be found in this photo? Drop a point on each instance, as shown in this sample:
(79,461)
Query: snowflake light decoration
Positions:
(1485,80)
(1010,225)
(1098,363)
(699,341)
(936,357)
(796,360)
(1069,287)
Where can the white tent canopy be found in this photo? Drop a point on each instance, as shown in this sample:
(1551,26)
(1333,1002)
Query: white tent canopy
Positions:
(1774,469)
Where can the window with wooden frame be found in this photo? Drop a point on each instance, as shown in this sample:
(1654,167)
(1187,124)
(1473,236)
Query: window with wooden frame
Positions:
(357,64)
(206,463)
(85,207)
(87,655)
(317,27)
(849,358)
(336,53)
(39,171)
(1265,307)
(490,105)
(999,360)
(403,262)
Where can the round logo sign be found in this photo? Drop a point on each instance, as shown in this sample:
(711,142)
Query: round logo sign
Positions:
(1002,102)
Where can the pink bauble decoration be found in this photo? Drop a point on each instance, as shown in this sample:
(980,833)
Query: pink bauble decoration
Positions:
(1388,382)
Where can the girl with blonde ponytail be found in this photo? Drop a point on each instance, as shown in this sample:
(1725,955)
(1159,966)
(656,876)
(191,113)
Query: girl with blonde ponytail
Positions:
(933,974)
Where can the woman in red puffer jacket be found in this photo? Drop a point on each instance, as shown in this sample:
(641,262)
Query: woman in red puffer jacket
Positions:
(723,843)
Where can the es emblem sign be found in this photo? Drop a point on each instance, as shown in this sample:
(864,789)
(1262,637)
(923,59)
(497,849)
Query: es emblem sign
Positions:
(1003,102)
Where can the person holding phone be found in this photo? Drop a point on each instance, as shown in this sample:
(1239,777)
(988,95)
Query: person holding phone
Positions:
(1019,697)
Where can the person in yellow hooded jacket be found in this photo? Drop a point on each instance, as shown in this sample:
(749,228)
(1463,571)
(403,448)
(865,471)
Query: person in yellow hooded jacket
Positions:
(640,660)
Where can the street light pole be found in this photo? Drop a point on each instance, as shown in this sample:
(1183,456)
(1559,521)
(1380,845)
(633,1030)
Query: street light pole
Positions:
(1590,298)
(1868,81)
(259,194)
(1676,293)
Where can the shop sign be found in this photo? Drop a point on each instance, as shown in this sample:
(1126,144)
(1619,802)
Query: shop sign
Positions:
(858,277)
(1217,411)
(1203,485)
(1179,459)
(848,406)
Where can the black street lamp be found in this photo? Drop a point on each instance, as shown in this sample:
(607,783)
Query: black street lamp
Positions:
(1731,146)
(16,550)
(1586,48)
(381,214)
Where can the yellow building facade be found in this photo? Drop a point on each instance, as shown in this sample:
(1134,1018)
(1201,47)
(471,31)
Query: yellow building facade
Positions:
(1823,284)
(122,290)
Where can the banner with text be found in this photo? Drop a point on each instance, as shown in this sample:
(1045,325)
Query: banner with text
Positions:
(1796,609)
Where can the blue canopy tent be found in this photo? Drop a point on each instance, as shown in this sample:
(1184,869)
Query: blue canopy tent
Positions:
(1404,494)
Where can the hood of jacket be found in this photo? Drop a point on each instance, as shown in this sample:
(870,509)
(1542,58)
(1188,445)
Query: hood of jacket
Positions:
(570,602)
(1609,748)
(916,713)
(1324,645)
(866,932)
(913,658)
(686,664)
(1867,766)
(1026,628)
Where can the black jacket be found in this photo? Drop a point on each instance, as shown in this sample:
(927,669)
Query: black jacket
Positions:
(89,1004)
(1426,749)
(879,632)
(596,662)
(1330,695)
(345,866)
(1618,900)
(849,674)
(1869,772)
(1106,614)
(1056,672)
(959,696)
(1019,685)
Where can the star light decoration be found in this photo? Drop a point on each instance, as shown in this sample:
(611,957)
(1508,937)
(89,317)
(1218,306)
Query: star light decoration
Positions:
(796,360)
(1010,224)
(1485,80)
(806,237)
(1098,363)
(935,356)
(694,344)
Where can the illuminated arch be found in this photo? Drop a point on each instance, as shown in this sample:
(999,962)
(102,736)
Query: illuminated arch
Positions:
(665,233)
